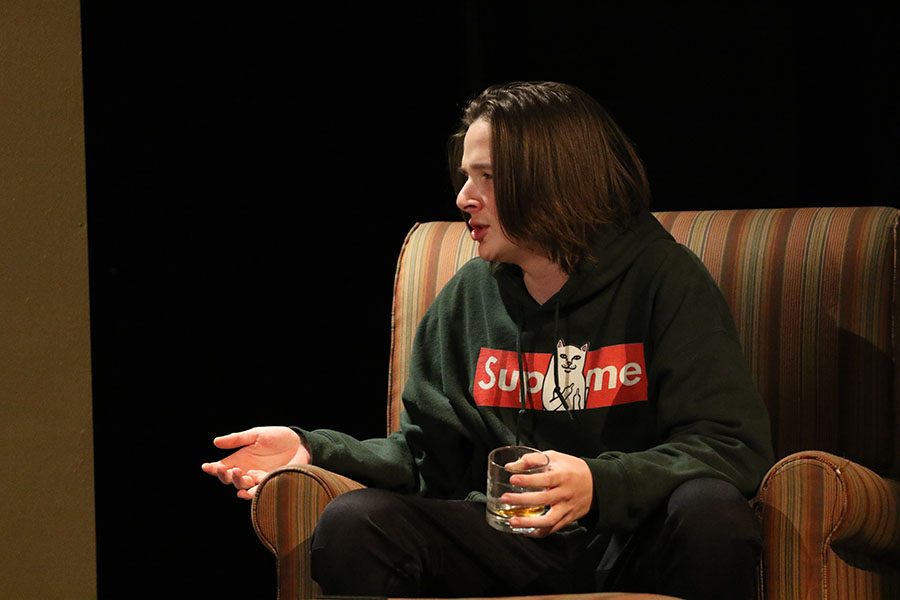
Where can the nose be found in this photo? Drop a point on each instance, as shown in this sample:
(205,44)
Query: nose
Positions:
(466,199)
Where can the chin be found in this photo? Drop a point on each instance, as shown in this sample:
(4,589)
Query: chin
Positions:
(487,254)
(504,253)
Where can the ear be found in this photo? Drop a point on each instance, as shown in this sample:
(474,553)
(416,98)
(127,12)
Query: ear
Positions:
(584,348)
(560,344)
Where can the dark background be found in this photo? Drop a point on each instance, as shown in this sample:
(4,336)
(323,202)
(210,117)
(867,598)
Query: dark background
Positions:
(252,174)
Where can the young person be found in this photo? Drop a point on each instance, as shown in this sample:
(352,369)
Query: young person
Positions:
(583,330)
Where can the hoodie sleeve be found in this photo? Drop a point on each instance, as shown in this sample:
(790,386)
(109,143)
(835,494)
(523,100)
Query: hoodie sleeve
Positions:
(378,462)
(431,454)
(709,415)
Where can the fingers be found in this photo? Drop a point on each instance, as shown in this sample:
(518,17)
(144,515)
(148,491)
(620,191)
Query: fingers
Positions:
(551,521)
(218,469)
(567,488)
(210,468)
(223,472)
(528,461)
(226,474)
(236,440)
(542,523)
(247,494)
(245,481)
(540,498)
(240,480)
(544,479)
(255,476)
(237,476)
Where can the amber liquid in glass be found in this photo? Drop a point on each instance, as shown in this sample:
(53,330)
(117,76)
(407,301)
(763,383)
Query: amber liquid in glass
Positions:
(507,512)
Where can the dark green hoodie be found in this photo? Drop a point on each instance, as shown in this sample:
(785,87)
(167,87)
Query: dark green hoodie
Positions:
(651,386)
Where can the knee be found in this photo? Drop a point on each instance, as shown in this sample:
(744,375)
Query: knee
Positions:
(364,532)
(712,512)
(350,516)
(348,533)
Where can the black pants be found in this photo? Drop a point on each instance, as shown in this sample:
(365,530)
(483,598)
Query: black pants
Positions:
(703,542)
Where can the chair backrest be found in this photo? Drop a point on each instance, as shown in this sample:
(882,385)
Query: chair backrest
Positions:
(814,294)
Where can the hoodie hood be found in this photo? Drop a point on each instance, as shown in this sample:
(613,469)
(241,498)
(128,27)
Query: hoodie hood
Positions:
(615,248)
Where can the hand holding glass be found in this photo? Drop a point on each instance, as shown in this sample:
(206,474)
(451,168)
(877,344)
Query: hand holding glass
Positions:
(502,464)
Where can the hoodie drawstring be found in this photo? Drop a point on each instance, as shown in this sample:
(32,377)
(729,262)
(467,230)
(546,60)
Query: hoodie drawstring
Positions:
(523,380)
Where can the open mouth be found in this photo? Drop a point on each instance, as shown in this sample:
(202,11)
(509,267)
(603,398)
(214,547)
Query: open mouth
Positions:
(477,231)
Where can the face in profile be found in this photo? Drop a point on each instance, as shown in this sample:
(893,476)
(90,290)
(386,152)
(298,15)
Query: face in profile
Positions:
(477,198)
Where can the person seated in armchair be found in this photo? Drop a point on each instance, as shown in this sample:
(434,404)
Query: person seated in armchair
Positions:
(583,330)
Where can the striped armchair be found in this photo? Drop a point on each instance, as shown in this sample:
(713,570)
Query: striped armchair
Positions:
(814,294)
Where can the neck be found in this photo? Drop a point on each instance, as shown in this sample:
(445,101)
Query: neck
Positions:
(543,278)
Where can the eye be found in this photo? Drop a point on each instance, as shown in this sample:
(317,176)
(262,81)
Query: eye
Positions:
(564,356)
(487,176)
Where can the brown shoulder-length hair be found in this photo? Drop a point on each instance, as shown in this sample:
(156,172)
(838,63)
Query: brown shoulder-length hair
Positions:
(561,166)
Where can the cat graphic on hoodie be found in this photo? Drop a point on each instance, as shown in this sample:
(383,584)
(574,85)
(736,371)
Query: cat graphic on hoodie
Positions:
(570,393)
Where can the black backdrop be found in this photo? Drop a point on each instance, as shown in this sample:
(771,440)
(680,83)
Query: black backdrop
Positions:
(252,173)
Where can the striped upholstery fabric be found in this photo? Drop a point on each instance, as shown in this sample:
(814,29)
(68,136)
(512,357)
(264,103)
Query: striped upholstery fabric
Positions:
(814,294)
(831,530)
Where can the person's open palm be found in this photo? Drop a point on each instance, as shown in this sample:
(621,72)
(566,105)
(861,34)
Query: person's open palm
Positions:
(261,450)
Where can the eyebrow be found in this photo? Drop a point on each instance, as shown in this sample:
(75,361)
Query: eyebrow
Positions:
(476,167)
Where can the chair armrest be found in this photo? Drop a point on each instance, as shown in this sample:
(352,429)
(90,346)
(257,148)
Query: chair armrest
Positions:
(285,510)
(289,500)
(871,523)
(814,504)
